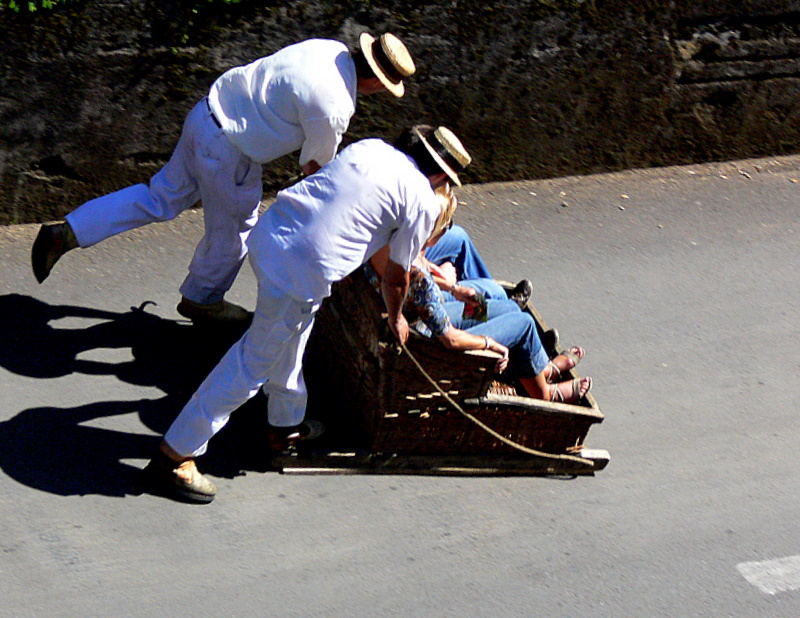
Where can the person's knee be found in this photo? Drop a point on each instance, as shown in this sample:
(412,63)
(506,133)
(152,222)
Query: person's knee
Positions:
(451,247)
(458,234)
(526,324)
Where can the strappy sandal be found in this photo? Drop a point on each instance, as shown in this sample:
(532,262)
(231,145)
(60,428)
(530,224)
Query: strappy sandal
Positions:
(558,396)
(574,354)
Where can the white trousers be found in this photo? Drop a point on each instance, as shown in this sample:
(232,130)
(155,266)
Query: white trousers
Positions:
(268,356)
(205,166)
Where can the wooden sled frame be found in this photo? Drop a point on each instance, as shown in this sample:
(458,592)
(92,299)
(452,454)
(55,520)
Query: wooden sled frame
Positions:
(395,421)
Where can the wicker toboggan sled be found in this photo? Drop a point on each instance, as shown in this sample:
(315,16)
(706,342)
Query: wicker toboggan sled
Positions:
(383,415)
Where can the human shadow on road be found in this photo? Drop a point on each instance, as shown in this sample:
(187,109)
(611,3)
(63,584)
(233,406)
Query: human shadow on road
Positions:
(57,450)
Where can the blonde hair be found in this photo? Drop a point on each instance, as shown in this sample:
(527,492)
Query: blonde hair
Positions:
(447,205)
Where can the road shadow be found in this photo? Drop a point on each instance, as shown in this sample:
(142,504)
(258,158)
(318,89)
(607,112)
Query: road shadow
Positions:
(72,450)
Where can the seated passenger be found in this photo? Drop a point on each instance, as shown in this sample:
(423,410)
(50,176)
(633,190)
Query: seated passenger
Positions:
(507,330)
(447,278)
(456,248)
(453,260)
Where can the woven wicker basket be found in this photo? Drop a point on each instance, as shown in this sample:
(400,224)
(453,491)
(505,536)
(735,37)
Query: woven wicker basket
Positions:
(357,375)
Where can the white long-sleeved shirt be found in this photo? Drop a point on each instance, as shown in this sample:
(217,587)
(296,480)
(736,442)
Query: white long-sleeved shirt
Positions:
(299,98)
(323,228)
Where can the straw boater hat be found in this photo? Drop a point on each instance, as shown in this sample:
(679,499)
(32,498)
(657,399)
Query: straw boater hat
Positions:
(389,59)
(448,152)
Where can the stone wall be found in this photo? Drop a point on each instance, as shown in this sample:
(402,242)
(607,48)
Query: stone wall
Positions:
(93,92)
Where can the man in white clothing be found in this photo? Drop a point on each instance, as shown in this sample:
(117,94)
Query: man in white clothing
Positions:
(300,98)
(371,195)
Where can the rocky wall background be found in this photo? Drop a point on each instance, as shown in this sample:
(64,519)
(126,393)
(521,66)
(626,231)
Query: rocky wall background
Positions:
(93,93)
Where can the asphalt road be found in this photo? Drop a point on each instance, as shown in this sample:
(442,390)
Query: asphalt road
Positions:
(682,285)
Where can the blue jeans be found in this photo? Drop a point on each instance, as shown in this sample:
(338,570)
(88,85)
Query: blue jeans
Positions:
(490,288)
(509,325)
(455,246)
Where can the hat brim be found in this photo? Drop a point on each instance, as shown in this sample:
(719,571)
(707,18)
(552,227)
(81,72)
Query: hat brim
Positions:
(451,173)
(365,41)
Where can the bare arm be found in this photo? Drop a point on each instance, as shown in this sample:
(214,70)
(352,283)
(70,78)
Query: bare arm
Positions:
(445,276)
(394,286)
(456,339)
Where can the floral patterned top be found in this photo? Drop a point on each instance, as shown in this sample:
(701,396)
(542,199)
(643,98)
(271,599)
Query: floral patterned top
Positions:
(424,306)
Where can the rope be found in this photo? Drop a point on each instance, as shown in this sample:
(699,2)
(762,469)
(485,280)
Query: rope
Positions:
(485,427)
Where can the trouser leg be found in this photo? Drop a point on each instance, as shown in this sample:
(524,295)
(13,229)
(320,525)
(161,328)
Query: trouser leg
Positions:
(286,387)
(489,287)
(171,190)
(270,352)
(113,214)
(455,246)
(513,328)
(231,188)
(495,309)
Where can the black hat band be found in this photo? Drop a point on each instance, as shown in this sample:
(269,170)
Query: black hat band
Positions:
(446,156)
(385,63)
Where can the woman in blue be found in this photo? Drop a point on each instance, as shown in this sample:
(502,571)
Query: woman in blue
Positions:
(454,260)
(508,330)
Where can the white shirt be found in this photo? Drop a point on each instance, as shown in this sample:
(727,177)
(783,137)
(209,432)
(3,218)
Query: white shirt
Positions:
(300,98)
(323,228)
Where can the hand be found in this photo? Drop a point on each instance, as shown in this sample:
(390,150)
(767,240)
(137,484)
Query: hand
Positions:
(465,295)
(444,275)
(499,348)
(312,167)
(502,363)
(400,328)
(448,272)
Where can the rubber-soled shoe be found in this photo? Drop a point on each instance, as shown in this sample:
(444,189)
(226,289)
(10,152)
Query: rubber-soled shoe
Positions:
(283,438)
(52,241)
(521,293)
(179,480)
(221,312)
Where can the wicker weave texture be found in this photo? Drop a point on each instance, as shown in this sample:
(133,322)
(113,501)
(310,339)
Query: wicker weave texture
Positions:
(354,364)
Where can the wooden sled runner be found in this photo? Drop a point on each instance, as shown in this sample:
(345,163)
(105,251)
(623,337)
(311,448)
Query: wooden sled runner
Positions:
(383,415)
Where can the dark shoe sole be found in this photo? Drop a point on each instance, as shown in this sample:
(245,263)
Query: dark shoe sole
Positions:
(308,430)
(199,318)
(46,243)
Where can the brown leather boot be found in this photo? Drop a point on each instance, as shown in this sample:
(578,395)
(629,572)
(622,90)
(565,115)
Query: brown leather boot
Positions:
(53,241)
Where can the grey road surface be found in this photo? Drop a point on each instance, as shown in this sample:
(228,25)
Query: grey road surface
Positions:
(681,283)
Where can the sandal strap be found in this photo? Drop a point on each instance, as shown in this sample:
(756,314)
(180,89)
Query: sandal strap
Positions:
(572,356)
(558,396)
(555,372)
